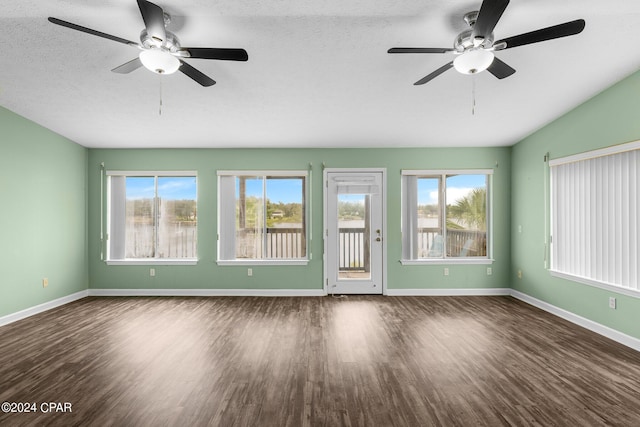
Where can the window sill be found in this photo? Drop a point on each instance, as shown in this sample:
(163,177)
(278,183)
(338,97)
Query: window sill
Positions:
(447,261)
(602,285)
(151,261)
(263,262)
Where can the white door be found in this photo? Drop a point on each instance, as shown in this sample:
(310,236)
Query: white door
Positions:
(354,233)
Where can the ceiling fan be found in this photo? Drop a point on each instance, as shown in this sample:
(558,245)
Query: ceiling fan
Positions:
(475,47)
(160,50)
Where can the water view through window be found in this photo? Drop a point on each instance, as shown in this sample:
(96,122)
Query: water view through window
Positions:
(463,215)
(161,217)
(270,217)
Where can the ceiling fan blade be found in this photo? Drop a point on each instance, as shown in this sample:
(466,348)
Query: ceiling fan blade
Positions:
(196,75)
(543,34)
(419,50)
(436,73)
(500,69)
(217,53)
(128,67)
(488,16)
(153,17)
(90,31)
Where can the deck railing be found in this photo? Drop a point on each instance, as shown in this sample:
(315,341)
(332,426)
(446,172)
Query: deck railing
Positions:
(354,252)
(278,243)
(285,243)
(470,243)
(177,239)
(353,255)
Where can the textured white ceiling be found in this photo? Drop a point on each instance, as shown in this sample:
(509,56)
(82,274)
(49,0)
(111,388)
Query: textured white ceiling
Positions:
(318,73)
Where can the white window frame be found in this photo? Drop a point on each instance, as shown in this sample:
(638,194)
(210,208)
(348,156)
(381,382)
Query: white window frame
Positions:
(592,173)
(117,221)
(226,215)
(409,216)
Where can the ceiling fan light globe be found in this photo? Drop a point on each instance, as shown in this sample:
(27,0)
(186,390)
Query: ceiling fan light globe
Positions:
(473,61)
(159,61)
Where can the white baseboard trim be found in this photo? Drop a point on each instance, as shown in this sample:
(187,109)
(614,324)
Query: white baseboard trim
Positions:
(448,292)
(206,292)
(598,328)
(31,311)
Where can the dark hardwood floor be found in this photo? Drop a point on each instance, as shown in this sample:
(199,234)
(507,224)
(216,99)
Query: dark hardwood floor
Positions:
(356,361)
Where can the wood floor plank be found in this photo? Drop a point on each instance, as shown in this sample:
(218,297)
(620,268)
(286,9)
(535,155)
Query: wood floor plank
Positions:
(356,361)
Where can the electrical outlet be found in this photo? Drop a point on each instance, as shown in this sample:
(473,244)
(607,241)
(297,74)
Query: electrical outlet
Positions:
(612,302)
(489,271)
(152,272)
(45,282)
(519,274)
(249,272)
(446,271)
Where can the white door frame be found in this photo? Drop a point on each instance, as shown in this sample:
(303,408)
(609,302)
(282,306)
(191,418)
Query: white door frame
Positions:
(325,216)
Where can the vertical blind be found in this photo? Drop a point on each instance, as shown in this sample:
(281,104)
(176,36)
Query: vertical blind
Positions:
(410,244)
(227,217)
(595,207)
(117,215)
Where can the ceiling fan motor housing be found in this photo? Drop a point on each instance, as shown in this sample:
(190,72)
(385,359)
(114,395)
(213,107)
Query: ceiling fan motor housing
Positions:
(170,44)
(465,40)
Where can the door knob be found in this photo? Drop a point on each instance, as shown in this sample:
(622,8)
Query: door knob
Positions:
(378,239)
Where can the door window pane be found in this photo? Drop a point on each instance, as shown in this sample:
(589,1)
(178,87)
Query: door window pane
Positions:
(354,230)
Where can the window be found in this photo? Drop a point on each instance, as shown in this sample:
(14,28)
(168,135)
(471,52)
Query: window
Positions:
(446,216)
(152,217)
(262,217)
(595,225)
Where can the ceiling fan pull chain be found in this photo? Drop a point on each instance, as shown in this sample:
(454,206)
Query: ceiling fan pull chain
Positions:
(473,95)
(160,106)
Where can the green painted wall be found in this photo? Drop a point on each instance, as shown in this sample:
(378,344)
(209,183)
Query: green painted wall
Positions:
(43,179)
(612,117)
(207,274)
